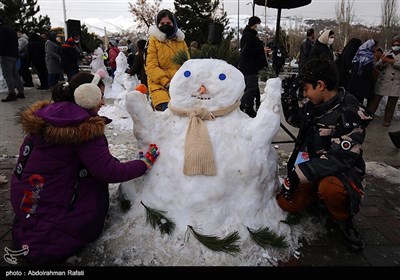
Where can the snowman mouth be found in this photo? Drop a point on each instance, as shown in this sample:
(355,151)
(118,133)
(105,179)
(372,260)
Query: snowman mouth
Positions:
(200,97)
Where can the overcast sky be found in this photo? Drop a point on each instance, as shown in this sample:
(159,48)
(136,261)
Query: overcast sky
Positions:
(366,11)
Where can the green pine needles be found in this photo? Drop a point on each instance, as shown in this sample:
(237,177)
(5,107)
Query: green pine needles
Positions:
(214,243)
(265,74)
(266,237)
(157,219)
(125,204)
(222,51)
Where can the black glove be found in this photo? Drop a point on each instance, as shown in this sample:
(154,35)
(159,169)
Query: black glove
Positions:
(289,185)
(290,88)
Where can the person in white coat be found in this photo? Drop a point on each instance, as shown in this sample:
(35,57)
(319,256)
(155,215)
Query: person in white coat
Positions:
(388,83)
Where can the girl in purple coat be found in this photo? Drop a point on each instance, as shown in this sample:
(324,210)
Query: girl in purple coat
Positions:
(59,189)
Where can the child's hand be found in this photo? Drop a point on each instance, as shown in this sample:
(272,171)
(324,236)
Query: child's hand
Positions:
(289,185)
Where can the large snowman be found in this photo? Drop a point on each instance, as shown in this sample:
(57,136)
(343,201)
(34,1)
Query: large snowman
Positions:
(215,179)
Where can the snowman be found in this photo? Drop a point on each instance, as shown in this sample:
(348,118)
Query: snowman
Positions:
(215,179)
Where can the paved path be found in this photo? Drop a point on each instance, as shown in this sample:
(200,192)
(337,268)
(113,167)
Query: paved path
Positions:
(378,220)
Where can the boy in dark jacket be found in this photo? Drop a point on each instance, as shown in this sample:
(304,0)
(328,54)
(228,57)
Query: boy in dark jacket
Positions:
(326,164)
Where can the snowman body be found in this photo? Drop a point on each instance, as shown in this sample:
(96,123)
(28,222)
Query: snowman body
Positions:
(242,193)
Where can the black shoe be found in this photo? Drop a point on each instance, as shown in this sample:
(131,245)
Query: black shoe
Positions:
(350,236)
(395,137)
(20,95)
(10,97)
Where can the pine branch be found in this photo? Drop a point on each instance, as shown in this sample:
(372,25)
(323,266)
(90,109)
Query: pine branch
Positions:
(266,237)
(293,219)
(215,243)
(265,74)
(124,203)
(157,219)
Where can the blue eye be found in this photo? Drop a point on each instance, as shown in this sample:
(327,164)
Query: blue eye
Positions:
(187,73)
(222,77)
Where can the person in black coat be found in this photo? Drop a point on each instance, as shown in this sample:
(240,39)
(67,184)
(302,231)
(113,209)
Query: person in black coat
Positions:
(344,62)
(37,55)
(306,47)
(138,63)
(252,60)
(10,55)
(362,81)
(323,46)
(69,58)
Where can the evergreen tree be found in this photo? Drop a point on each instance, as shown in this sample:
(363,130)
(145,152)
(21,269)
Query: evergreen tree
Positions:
(144,13)
(194,17)
(90,40)
(20,14)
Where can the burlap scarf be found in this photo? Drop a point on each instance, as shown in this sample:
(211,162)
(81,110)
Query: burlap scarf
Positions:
(199,156)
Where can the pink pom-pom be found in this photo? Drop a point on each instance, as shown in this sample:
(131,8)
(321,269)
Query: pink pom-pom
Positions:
(101,73)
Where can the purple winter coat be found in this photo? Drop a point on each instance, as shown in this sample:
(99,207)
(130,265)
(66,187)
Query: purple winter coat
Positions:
(59,188)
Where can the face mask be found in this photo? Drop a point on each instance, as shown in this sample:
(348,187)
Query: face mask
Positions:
(396,48)
(330,41)
(167,30)
(259,27)
(77,41)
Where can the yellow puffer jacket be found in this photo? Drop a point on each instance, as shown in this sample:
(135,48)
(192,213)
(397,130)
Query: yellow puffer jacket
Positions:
(159,65)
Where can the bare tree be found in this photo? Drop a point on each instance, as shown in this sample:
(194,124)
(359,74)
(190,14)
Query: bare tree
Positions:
(389,19)
(144,13)
(344,17)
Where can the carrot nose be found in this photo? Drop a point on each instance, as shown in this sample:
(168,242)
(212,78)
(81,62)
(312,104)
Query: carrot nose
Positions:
(202,89)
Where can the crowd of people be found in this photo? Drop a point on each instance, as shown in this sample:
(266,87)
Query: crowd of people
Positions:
(67,134)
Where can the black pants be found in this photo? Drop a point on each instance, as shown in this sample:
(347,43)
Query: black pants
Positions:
(25,72)
(251,95)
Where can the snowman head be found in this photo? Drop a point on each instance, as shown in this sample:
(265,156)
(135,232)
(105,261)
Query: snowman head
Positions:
(207,83)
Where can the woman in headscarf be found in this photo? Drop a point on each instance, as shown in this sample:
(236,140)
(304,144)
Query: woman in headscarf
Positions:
(362,81)
(344,62)
(388,83)
(323,46)
(166,39)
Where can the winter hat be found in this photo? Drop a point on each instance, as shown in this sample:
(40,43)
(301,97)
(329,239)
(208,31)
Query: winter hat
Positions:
(113,43)
(89,95)
(254,20)
(70,42)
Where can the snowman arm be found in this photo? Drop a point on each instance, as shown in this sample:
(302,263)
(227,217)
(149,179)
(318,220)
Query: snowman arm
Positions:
(142,114)
(266,124)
